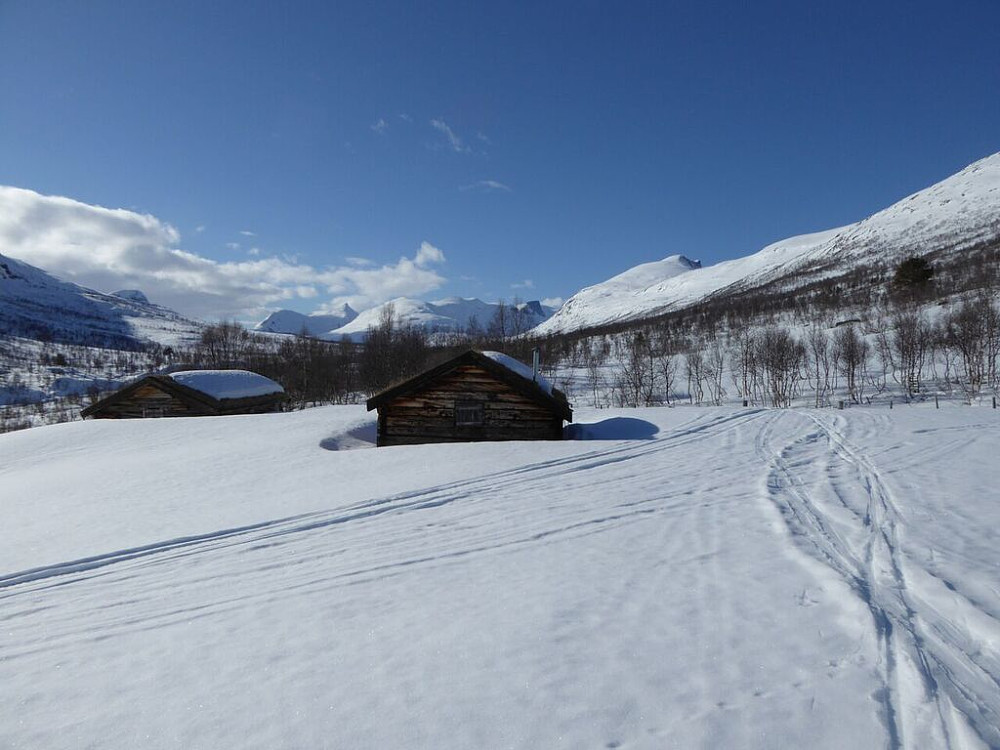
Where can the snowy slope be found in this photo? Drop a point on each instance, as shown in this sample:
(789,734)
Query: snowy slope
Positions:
(722,578)
(37,305)
(289,321)
(948,218)
(446,315)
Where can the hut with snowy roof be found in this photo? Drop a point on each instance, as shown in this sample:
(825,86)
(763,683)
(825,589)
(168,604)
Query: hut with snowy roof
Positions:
(191,393)
(475,396)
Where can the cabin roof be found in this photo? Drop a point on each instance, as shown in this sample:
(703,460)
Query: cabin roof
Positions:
(505,369)
(225,384)
(202,397)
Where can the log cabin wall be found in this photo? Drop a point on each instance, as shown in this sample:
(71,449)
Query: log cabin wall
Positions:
(149,401)
(428,415)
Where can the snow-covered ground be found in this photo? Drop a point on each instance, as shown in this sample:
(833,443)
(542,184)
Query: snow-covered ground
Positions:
(684,578)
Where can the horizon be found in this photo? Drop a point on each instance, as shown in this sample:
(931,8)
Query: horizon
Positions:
(254,158)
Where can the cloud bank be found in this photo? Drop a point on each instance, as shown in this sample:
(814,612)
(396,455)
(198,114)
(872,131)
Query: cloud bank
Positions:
(108,249)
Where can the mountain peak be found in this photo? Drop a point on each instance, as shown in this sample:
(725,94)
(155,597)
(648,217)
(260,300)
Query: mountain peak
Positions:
(946,218)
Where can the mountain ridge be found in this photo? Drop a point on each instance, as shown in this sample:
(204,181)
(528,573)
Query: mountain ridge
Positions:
(944,219)
(35,304)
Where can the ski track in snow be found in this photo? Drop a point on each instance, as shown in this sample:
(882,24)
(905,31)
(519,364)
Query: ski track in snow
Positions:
(935,667)
(935,673)
(123,565)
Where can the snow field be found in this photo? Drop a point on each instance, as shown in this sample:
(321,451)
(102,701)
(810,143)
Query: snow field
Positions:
(738,578)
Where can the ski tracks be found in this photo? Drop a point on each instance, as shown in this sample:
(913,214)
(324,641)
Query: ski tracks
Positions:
(940,680)
(314,553)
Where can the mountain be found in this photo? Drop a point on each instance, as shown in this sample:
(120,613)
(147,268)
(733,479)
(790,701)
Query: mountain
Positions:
(448,315)
(289,321)
(36,305)
(946,222)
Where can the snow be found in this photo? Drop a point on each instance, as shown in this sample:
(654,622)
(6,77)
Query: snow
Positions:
(519,368)
(33,300)
(292,322)
(222,384)
(947,218)
(722,578)
(131,294)
(447,315)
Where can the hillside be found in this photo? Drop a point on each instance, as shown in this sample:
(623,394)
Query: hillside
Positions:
(945,222)
(36,305)
(686,577)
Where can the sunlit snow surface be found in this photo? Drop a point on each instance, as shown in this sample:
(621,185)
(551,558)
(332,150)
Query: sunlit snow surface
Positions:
(223,384)
(520,368)
(720,578)
(950,216)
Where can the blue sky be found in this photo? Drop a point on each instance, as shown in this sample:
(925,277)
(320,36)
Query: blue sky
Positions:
(536,148)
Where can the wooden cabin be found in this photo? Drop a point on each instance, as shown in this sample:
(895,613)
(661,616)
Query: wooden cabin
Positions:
(475,396)
(191,393)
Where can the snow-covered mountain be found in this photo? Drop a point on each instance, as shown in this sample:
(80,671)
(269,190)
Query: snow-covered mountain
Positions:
(442,316)
(952,216)
(289,321)
(36,305)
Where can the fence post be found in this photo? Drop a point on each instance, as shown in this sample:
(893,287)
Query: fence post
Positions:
(936,402)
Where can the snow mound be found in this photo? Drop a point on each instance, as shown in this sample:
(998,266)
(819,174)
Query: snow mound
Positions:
(222,384)
(519,368)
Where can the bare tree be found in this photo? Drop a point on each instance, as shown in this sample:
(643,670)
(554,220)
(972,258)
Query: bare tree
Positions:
(224,345)
(666,368)
(499,329)
(743,355)
(594,358)
(781,357)
(851,355)
(694,370)
(714,362)
(909,342)
(820,363)
(967,332)
(635,381)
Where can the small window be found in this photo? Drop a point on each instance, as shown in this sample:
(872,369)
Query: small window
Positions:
(468,413)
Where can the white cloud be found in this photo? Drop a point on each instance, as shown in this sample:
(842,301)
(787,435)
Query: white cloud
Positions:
(456,143)
(405,117)
(484,138)
(526,284)
(555,302)
(248,233)
(486,186)
(232,245)
(109,249)
(200,228)
(428,254)
(356,261)
(254,251)
(380,126)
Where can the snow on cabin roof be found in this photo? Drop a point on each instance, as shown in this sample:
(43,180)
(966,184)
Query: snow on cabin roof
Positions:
(221,384)
(519,368)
